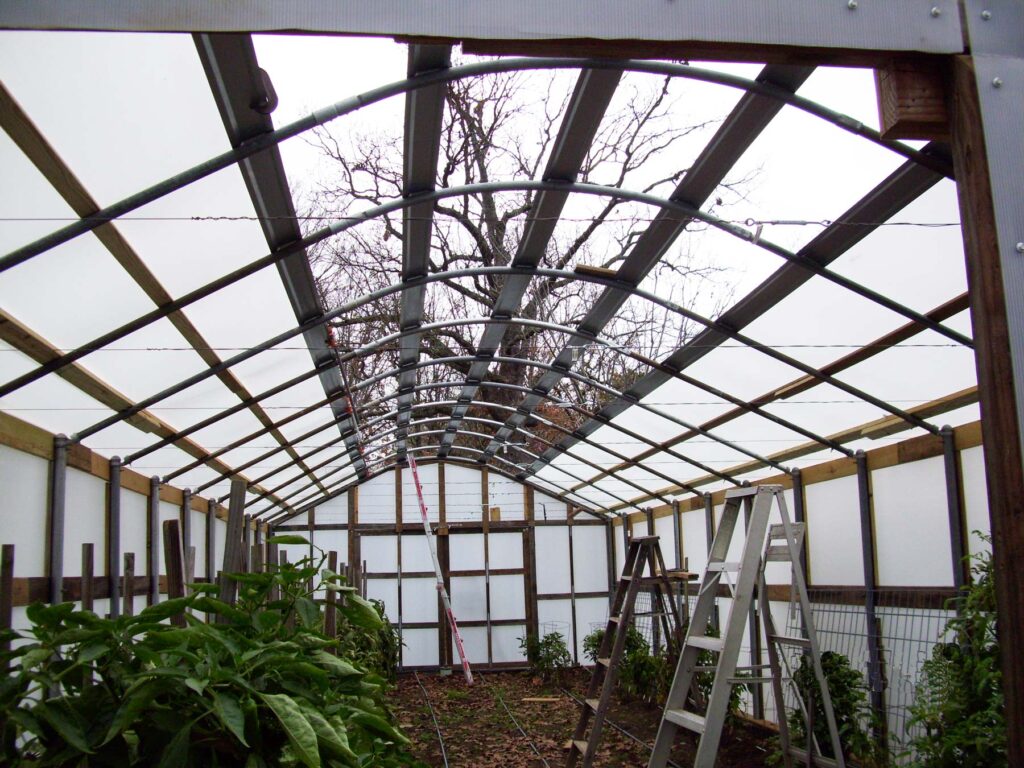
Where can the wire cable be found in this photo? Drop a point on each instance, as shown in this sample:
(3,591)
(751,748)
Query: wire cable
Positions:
(426,698)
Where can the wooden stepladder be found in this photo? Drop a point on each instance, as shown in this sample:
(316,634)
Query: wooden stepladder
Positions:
(750,579)
(643,552)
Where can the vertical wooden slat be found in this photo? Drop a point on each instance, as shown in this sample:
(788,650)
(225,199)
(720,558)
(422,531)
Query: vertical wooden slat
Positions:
(709,530)
(444,634)
(174,563)
(211,541)
(353,528)
(398,560)
(572,588)
(485,522)
(186,523)
(6,593)
(876,670)
(113,536)
(128,593)
(331,606)
(153,542)
(530,567)
(246,564)
(55,519)
(233,542)
(88,570)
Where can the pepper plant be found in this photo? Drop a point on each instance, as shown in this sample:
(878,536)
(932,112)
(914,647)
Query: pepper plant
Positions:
(261,685)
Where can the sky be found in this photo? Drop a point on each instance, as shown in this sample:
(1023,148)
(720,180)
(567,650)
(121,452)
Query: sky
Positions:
(125,111)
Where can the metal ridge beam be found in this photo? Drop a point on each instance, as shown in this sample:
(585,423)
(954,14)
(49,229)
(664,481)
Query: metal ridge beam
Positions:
(424,113)
(587,105)
(244,98)
(898,190)
(748,118)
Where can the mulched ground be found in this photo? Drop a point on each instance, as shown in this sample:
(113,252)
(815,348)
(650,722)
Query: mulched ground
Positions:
(477,731)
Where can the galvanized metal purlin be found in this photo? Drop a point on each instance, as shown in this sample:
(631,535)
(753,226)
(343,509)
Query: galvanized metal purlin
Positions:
(354,103)
(550,487)
(494,406)
(899,189)
(238,85)
(745,122)
(393,442)
(424,110)
(587,106)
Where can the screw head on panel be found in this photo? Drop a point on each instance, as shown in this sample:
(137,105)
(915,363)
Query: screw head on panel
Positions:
(997,82)
(1019,248)
(852,5)
(986,15)
(936,11)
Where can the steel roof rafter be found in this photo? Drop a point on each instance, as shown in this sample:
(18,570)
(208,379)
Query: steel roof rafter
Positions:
(587,106)
(899,189)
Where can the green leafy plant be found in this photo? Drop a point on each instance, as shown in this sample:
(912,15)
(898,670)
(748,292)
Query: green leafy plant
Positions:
(635,641)
(547,656)
(376,651)
(958,707)
(260,686)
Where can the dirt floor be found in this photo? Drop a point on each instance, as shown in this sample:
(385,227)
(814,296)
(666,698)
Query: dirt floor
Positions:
(477,731)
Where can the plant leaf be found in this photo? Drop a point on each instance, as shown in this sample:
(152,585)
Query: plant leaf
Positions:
(166,609)
(336,742)
(176,752)
(361,613)
(230,713)
(300,733)
(288,538)
(64,725)
(379,725)
(337,667)
(308,612)
(131,707)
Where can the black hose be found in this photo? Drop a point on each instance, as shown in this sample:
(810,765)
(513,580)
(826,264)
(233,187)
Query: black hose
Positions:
(426,698)
(528,740)
(621,730)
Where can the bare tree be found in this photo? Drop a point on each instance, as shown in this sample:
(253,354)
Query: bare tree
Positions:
(501,127)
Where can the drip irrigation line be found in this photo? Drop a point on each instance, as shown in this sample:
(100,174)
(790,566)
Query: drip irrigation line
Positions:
(426,698)
(516,722)
(622,730)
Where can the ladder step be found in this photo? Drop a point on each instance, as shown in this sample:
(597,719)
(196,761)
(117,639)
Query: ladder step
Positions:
(819,760)
(778,531)
(685,718)
(777,553)
(722,565)
(592,703)
(708,643)
(604,662)
(740,493)
(641,539)
(803,642)
(614,619)
(580,746)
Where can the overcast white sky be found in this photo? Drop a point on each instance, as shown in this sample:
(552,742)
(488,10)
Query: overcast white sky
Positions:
(125,111)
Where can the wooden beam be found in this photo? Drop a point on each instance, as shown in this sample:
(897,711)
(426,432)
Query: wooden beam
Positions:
(912,99)
(174,562)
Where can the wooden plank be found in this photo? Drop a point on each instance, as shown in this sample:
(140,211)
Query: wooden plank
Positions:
(530,564)
(353,521)
(6,594)
(153,541)
(232,562)
(174,562)
(912,100)
(331,606)
(128,588)
(88,568)
(1004,463)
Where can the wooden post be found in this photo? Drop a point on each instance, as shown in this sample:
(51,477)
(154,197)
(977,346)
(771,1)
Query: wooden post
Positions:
(530,567)
(128,592)
(876,669)
(88,568)
(246,564)
(113,553)
(709,530)
(233,542)
(211,541)
(985,120)
(331,607)
(186,524)
(174,562)
(353,528)
(572,589)
(444,632)
(398,560)
(153,542)
(55,519)
(6,593)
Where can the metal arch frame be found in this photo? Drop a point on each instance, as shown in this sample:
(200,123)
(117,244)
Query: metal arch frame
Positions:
(613,283)
(322,116)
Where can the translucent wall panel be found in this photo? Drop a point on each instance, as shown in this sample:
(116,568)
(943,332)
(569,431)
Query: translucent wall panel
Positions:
(380,553)
(505,643)
(972,462)
(508,597)
(590,558)
(506,550)
(833,531)
(419,601)
(23,483)
(420,647)
(469,599)
(694,531)
(552,544)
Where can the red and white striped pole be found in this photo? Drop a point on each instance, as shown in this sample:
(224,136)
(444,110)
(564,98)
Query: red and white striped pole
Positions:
(437,570)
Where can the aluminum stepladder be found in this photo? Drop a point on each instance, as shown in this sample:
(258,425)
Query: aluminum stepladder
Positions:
(750,576)
(643,551)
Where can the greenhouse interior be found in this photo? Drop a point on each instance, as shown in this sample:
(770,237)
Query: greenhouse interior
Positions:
(524,384)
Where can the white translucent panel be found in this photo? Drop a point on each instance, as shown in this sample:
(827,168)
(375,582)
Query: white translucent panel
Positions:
(332,541)
(462,493)
(377,499)
(166,511)
(333,512)
(136,134)
(416,554)
(506,495)
(23,483)
(198,542)
(664,529)
(474,643)
(419,600)
(975,489)
(910,505)
(590,558)
(694,533)
(833,532)
(300,519)
(380,553)
(505,646)
(385,590)
(469,597)
(505,550)
(552,547)
(133,528)
(548,508)
(555,616)
(591,613)
(420,648)
(466,551)
(430,487)
(508,598)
